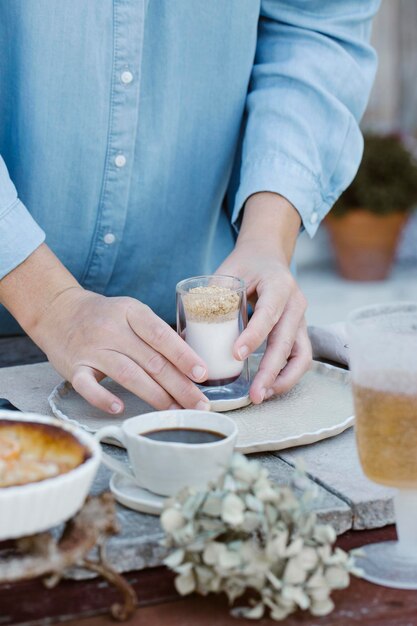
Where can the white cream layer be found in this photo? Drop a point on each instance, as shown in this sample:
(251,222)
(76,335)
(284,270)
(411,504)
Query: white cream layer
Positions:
(213,342)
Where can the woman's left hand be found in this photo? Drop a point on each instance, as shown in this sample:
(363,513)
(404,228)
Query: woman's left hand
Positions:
(278,315)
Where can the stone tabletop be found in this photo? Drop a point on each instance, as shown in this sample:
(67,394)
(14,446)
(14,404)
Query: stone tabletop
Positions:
(346,498)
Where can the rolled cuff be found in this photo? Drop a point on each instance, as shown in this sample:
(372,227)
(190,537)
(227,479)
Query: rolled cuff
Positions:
(20,235)
(289,179)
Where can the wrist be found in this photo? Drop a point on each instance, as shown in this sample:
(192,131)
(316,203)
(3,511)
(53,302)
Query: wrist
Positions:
(271,221)
(29,290)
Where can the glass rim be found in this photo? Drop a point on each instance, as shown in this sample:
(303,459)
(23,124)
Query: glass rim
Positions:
(374,311)
(180,286)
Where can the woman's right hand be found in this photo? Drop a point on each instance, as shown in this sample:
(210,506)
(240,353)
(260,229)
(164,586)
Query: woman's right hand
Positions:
(87,336)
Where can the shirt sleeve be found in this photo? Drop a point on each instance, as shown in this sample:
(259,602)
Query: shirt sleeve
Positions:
(20,235)
(310,83)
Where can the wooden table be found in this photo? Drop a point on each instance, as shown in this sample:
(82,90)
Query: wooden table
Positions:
(361,604)
(346,499)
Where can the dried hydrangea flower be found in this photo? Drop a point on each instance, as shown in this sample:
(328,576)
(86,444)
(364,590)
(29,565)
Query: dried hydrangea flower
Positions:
(245,532)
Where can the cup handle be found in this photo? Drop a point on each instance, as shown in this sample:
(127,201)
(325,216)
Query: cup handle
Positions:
(117,466)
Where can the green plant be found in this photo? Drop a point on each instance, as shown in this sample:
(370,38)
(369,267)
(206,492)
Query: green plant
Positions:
(386,181)
(246,534)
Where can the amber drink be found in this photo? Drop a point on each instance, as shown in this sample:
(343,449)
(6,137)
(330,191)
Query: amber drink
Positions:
(383,360)
(386,433)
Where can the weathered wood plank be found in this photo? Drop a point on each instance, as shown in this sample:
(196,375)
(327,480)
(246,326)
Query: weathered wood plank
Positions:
(334,464)
(408,65)
(330,509)
(383,111)
(393,102)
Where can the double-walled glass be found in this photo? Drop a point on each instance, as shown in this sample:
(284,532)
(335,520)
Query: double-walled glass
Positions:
(383,361)
(211,314)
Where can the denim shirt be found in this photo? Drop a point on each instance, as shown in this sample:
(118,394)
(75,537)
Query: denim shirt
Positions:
(133,131)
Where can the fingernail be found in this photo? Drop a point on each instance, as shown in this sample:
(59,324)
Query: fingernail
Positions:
(262,392)
(116,407)
(202,406)
(198,372)
(174,407)
(243,352)
(269,394)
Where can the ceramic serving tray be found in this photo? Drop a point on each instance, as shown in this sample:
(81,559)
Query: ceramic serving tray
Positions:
(320,406)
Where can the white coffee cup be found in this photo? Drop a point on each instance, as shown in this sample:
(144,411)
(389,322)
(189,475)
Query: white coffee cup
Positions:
(165,467)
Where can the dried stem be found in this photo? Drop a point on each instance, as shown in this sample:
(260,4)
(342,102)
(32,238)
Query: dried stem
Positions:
(43,555)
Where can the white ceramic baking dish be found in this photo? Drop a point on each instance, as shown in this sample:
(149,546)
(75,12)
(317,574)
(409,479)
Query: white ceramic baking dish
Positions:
(35,507)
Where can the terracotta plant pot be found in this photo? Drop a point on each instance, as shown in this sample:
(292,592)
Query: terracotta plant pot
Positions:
(365,243)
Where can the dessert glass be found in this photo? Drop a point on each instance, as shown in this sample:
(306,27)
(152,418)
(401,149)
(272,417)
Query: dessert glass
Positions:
(383,361)
(211,314)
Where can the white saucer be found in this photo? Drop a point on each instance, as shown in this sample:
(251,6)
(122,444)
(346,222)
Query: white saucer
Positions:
(128,493)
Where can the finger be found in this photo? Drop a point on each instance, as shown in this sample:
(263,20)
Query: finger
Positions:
(163,339)
(179,386)
(86,382)
(132,377)
(279,347)
(272,299)
(298,364)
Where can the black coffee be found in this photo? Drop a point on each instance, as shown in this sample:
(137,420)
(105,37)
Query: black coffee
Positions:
(184,435)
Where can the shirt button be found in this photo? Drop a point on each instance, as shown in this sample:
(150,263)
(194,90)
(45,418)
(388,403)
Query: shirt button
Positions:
(126,77)
(314,217)
(109,238)
(120,160)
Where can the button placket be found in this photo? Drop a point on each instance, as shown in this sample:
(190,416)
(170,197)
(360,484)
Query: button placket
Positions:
(121,141)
